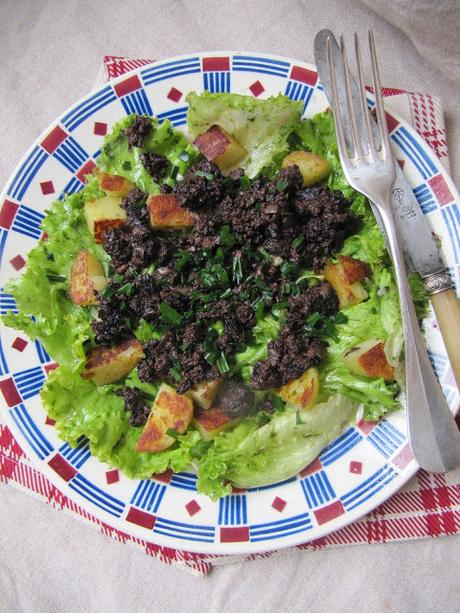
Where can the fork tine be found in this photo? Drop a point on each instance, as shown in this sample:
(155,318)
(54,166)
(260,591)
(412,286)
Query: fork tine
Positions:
(341,142)
(363,99)
(358,149)
(378,97)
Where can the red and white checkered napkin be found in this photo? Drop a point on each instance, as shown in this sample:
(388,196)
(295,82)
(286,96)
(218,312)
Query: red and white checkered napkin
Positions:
(428,506)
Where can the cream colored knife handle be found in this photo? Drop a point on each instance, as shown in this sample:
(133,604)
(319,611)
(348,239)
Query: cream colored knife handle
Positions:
(446,306)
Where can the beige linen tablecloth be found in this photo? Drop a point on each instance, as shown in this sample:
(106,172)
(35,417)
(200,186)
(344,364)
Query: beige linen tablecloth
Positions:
(50,52)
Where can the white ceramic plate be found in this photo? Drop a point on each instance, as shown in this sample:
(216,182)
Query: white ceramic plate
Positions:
(351,477)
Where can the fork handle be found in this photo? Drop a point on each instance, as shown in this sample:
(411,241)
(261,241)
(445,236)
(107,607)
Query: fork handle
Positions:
(446,306)
(433,433)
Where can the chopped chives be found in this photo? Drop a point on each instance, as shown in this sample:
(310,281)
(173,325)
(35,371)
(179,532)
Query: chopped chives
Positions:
(169,314)
(222,363)
(172,433)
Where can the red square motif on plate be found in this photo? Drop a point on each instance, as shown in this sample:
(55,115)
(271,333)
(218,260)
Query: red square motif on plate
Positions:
(174,94)
(7,213)
(18,262)
(192,507)
(100,129)
(257,88)
(47,187)
(51,142)
(19,344)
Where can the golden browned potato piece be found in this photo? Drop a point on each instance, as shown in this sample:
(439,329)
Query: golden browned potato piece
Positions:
(104,214)
(345,277)
(302,391)
(220,147)
(170,410)
(369,359)
(165,212)
(114,185)
(313,168)
(211,422)
(204,393)
(109,364)
(86,278)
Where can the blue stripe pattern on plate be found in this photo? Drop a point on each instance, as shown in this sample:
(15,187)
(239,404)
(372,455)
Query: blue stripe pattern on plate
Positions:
(186,481)
(344,443)
(216,82)
(425,198)
(7,303)
(299,91)
(317,489)
(73,186)
(177,117)
(78,455)
(28,222)
(3,237)
(386,438)
(451,217)
(41,352)
(137,102)
(148,495)
(369,487)
(87,108)
(27,172)
(29,382)
(95,495)
(233,510)
(247,63)
(170,70)
(3,363)
(71,154)
(414,152)
(281,528)
(30,432)
(189,532)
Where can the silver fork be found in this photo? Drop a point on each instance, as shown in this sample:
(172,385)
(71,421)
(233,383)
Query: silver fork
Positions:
(369,168)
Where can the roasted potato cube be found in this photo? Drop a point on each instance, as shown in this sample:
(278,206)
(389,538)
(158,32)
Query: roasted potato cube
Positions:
(102,215)
(302,391)
(109,364)
(165,212)
(114,185)
(170,410)
(211,422)
(86,278)
(345,277)
(313,168)
(204,393)
(220,147)
(369,359)
(354,270)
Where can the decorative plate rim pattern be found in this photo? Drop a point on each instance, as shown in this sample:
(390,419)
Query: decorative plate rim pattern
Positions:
(353,475)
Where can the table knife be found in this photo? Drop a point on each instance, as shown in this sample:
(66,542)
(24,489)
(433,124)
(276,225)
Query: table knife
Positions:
(420,250)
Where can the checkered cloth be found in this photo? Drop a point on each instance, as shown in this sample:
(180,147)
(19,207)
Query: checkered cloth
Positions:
(428,506)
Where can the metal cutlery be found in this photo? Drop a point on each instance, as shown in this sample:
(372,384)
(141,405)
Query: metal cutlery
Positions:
(369,167)
(418,244)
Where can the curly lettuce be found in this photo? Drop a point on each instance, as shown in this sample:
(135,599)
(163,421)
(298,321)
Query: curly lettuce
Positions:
(262,127)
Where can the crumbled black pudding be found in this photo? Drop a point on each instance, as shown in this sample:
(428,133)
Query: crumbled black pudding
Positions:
(156,165)
(202,290)
(138,131)
(136,404)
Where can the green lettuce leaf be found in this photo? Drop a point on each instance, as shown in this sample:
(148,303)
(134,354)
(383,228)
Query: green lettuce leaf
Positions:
(262,127)
(118,159)
(81,408)
(45,309)
(252,457)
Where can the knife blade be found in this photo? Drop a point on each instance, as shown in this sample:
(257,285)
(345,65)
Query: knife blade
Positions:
(420,250)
